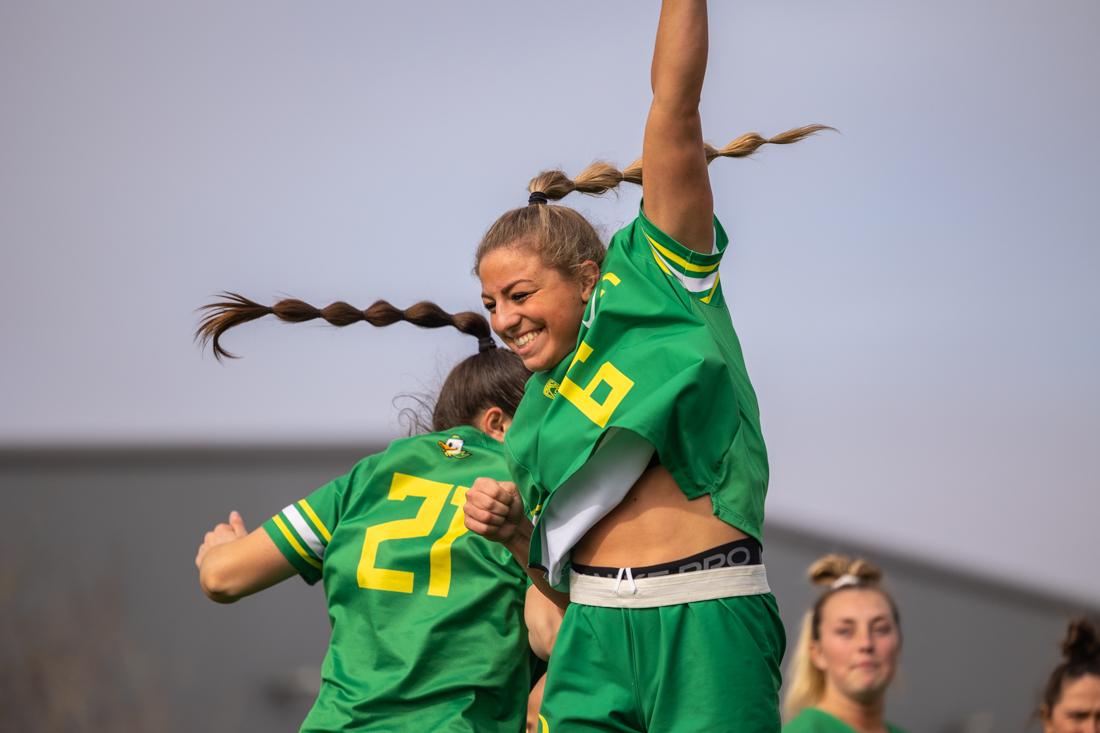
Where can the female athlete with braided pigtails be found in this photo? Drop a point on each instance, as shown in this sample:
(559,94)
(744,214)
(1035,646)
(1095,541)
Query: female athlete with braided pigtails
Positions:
(427,626)
(637,448)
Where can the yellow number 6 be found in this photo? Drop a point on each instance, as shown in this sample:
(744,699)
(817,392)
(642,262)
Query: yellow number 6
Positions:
(581,397)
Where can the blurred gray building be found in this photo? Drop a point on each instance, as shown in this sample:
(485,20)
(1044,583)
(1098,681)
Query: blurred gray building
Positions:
(104,626)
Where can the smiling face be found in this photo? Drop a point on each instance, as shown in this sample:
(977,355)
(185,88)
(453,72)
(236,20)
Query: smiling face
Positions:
(858,645)
(536,310)
(1077,709)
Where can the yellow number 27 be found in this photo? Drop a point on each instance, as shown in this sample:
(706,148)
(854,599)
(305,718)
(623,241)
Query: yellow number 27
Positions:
(435,495)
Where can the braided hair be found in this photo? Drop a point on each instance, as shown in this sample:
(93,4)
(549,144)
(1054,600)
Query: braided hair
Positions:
(563,238)
(490,378)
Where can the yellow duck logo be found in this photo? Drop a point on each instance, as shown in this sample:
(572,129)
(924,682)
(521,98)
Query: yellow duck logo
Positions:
(453,447)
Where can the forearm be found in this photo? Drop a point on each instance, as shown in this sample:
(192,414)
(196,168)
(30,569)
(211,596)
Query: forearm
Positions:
(219,575)
(680,55)
(675,184)
(520,547)
(543,618)
(233,570)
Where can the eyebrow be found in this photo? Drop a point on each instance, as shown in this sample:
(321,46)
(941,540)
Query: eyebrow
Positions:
(873,619)
(505,290)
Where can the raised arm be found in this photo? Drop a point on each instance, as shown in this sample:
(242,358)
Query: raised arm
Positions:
(675,185)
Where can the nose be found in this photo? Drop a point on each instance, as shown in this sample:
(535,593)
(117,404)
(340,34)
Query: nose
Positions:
(505,317)
(865,640)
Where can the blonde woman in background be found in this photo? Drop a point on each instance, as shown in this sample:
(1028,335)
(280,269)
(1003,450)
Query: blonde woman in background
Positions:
(847,653)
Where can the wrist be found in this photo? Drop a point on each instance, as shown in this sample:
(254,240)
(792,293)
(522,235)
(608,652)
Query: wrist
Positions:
(519,544)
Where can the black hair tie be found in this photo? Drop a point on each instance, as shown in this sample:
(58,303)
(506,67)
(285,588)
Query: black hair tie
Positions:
(537,197)
(485,343)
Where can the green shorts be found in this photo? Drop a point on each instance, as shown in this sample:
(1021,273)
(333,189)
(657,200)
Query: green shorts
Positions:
(701,666)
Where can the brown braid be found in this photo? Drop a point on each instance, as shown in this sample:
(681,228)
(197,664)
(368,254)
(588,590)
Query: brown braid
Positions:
(601,177)
(234,309)
(562,237)
(490,378)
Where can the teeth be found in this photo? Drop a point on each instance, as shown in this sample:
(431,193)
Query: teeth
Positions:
(527,338)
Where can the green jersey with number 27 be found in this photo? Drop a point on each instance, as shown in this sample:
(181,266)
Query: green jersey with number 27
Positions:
(427,618)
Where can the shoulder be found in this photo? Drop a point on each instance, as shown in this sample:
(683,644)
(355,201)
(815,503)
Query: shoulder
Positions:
(645,243)
(456,443)
(448,456)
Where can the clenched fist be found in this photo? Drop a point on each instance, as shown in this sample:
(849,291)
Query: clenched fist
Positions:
(494,510)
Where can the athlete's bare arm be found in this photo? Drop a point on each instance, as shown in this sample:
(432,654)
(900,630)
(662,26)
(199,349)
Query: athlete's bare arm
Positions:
(494,510)
(234,563)
(543,618)
(656,522)
(534,702)
(675,184)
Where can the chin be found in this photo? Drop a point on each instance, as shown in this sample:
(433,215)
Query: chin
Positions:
(536,364)
(868,692)
(542,360)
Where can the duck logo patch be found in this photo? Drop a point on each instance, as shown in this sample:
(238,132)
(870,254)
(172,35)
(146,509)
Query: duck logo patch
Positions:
(452,448)
(551,389)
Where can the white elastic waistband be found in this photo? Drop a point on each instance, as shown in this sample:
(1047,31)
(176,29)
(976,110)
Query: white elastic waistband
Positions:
(667,590)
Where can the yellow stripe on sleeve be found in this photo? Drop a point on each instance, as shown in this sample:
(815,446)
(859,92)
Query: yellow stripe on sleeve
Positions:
(294,542)
(316,520)
(677,259)
(659,261)
(713,290)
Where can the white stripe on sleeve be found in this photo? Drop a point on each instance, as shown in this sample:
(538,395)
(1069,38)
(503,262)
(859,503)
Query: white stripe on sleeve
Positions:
(691,284)
(305,531)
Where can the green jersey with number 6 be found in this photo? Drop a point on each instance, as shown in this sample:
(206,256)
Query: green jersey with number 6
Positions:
(657,367)
(427,618)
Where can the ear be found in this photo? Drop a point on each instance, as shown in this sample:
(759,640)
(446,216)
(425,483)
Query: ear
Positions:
(494,422)
(588,273)
(816,657)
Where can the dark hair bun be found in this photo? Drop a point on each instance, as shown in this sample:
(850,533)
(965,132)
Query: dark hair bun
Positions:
(1081,643)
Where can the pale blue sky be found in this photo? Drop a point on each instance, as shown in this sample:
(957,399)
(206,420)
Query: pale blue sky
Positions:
(916,295)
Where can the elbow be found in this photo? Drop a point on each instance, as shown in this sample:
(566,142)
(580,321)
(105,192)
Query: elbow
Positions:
(548,642)
(217,583)
(679,104)
(542,640)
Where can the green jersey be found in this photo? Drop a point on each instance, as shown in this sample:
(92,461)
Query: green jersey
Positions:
(657,366)
(812,720)
(427,618)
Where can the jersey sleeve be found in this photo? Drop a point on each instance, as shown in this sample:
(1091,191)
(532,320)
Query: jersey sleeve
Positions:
(695,272)
(303,529)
